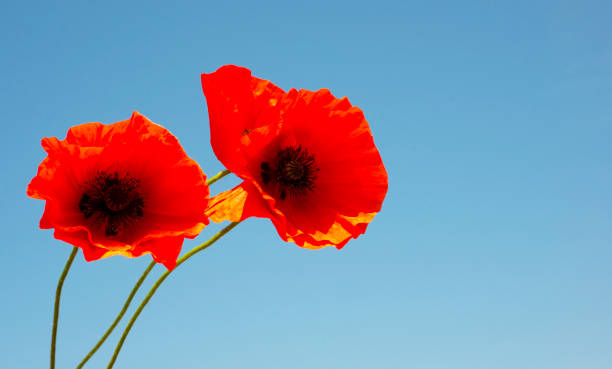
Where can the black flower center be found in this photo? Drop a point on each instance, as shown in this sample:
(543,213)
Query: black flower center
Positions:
(293,171)
(112,201)
(117,197)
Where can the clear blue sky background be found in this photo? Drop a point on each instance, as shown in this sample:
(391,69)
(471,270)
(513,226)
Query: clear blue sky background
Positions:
(494,245)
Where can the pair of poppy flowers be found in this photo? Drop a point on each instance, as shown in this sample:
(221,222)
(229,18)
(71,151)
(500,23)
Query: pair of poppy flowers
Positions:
(307,160)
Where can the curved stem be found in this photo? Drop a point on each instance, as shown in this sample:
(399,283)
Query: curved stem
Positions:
(58,293)
(158,283)
(127,303)
(119,316)
(217,177)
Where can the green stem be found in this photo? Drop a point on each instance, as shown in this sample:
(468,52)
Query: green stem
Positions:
(158,283)
(119,316)
(127,303)
(58,293)
(217,177)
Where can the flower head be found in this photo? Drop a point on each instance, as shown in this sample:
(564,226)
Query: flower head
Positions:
(308,159)
(126,188)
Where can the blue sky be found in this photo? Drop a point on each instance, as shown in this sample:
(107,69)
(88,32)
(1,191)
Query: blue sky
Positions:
(493,247)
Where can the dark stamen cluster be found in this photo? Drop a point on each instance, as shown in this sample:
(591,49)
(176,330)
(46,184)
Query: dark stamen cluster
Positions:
(293,170)
(113,201)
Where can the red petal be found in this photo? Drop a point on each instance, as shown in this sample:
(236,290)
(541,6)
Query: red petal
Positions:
(164,250)
(238,103)
(351,180)
(170,184)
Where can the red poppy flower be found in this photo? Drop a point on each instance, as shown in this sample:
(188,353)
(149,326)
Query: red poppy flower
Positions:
(126,188)
(308,159)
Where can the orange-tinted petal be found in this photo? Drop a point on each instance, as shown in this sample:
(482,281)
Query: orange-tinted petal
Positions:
(237,204)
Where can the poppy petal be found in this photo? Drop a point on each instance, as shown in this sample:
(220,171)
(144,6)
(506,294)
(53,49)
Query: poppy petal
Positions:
(126,188)
(311,165)
(163,250)
(238,103)
(237,204)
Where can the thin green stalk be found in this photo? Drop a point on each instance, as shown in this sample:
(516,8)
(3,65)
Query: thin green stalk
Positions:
(127,303)
(158,283)
(217,177)
(58,294)
(119,316)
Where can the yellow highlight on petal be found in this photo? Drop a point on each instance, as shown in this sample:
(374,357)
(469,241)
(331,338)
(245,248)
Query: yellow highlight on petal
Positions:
(336,234)
(118,252)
